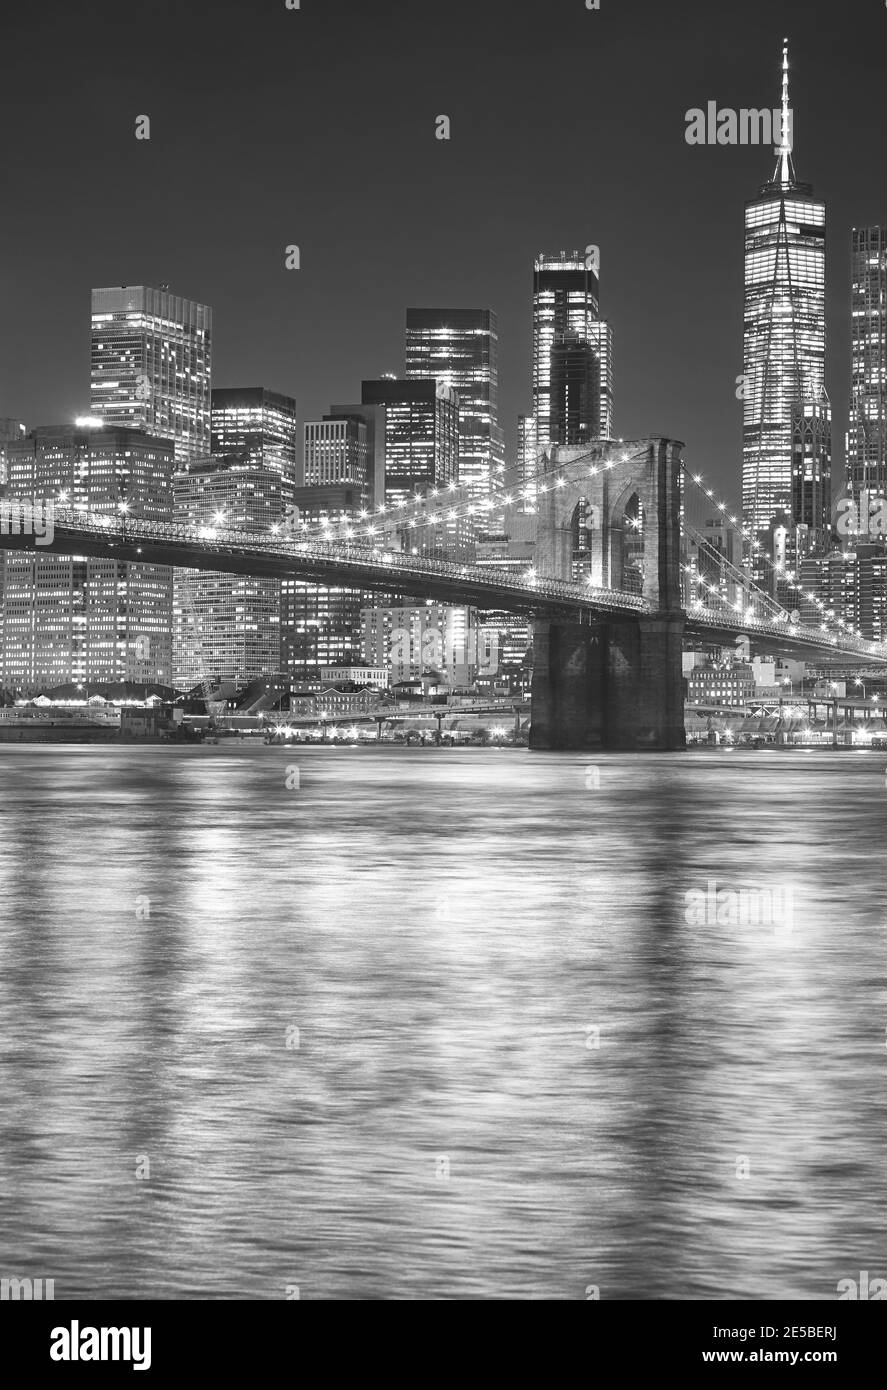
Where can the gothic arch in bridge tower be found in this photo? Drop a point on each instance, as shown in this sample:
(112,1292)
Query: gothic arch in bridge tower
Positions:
(611,486)
(611,514)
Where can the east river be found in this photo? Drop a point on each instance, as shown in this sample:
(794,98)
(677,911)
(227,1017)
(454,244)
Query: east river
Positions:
(438,1024)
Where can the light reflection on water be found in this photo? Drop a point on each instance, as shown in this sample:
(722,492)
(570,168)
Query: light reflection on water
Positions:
(444,928)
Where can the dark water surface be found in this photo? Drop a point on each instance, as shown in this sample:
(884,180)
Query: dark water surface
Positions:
(446,929)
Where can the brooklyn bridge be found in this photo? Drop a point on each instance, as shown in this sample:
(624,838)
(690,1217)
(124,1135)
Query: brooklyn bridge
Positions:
(608,633)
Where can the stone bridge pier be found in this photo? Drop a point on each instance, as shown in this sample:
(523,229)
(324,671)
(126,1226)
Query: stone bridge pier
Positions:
(613,682)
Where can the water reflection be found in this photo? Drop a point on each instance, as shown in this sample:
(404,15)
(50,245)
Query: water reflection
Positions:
(519,1072)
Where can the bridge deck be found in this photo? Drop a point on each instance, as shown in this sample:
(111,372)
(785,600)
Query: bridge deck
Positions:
(336,564)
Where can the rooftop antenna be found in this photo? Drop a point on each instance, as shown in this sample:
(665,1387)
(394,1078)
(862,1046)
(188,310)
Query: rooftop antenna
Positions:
(785,169)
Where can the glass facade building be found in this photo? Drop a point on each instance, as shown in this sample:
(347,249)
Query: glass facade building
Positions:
(421,434)
(566,305)
(460,348)
(784,331)
(867,440)
(257,425)
(575,391)
(151,365)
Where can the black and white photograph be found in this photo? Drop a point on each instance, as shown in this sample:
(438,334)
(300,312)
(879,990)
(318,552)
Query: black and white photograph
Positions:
(443,669)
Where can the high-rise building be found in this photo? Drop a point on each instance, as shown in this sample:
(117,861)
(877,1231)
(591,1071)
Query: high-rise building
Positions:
(76,619)
(373,417)
(11,431)
(460,348)
(867,439)
(227,626)
(833,578)
(421,434)
(320,624)
(811,499)
(566,304)
(151,365)
(151,369)
(256,424)
(505,640)
(871,606)
(600,335)
(337,451)
(575,391)
(784,328)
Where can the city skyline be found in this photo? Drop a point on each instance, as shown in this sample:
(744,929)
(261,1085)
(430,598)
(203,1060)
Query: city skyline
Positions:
(658,387)
(443,669)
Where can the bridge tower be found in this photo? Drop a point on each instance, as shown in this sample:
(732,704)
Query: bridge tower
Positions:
(611,682)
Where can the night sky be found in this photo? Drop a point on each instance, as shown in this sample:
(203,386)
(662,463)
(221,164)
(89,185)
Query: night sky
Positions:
(315,127)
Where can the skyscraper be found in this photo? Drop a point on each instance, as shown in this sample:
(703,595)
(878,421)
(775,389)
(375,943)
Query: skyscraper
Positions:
(575,390)
(151,365)
(460,348)
(600,335)
(373,417)
(421,434)
(11,431)
(69,618)
(257,424)
(227,626)
(784,328)
(319,623)
(566,305)
(336,451)
(867,440)
(811,502)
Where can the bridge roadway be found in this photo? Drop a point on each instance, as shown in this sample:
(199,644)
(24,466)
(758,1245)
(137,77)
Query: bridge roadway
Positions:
(97,534)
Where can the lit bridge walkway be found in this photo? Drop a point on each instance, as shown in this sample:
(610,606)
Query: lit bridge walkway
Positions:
(363,565)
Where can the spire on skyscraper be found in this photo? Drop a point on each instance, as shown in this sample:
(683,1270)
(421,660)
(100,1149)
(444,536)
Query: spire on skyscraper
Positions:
(784,172)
